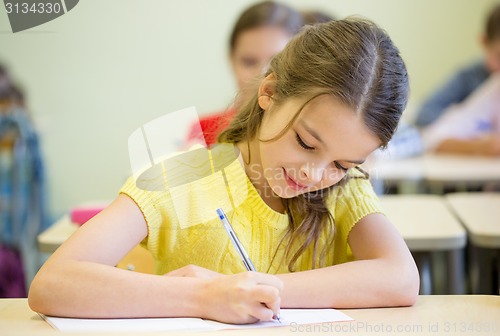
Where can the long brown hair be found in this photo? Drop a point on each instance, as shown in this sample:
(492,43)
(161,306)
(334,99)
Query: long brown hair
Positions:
(492,27)
(356,62)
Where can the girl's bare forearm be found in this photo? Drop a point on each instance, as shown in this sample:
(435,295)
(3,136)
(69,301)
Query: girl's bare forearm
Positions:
(358,284)
(90,290)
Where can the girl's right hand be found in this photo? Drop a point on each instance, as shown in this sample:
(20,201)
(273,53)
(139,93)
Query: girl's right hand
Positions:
(246,297)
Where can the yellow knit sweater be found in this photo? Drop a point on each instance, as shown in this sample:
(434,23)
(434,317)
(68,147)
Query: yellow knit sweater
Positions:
(183,227)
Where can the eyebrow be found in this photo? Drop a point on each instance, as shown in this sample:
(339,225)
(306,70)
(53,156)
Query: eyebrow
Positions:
(317,137)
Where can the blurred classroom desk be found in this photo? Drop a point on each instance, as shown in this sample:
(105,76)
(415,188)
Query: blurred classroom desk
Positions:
(480,213)
(460,171)
(50,239)
(432,315)
(436,171)
(427,225)
(405,174)
(139,259)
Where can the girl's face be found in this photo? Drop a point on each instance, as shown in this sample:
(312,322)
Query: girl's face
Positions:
(253,50)
(325,141)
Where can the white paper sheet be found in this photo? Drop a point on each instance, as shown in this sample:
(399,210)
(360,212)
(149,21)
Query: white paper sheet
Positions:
(288,317)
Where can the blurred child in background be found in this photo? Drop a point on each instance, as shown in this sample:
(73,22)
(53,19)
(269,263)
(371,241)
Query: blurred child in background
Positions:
(468,79)
(260,32)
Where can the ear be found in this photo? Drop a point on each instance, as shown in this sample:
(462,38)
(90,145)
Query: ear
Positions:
(266,91)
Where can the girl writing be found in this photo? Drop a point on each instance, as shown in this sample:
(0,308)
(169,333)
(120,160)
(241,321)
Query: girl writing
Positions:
(309,220)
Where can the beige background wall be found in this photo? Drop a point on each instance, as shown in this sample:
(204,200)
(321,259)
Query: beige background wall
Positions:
(97,73)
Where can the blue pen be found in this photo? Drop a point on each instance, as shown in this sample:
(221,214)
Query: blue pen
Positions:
(236,242)
(237,245)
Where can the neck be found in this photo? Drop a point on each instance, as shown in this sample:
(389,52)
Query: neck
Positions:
(250,157)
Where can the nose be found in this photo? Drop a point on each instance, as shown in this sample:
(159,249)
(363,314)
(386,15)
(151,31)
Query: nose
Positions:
(318,173)
(312,173)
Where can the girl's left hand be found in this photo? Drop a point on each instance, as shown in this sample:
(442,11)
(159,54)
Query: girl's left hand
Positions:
(193,271)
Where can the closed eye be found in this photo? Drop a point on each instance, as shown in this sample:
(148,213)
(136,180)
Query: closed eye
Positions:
(339,166)
(249,62)
(302,143)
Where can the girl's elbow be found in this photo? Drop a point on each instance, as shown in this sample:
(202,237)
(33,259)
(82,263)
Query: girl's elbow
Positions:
(407,298)
(35,297)
(408,288)
(38,295)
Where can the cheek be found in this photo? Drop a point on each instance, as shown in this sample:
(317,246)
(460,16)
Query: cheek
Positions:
(491,64)
(273,158)
(493,61)
(268,156)
(333,176)
(239,73)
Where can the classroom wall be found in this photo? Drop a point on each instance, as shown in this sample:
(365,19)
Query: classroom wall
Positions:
(97,73)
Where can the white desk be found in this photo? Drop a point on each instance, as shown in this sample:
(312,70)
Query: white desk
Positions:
(427,225)
(50,239)
(461,168)
(480,213)
(435,170)
(396,170)
(432,315)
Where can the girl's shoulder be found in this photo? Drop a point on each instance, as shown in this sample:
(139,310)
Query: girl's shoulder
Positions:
(357,186)
(354,199)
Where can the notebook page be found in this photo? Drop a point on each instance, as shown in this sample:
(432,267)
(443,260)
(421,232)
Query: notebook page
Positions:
(291,317)
(127,325)
(288,317)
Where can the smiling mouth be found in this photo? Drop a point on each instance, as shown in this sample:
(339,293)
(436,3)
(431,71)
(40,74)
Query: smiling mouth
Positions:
(292,184)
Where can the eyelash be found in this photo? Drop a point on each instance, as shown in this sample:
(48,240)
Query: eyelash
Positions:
(309,148)
(302,143)
(339,166)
